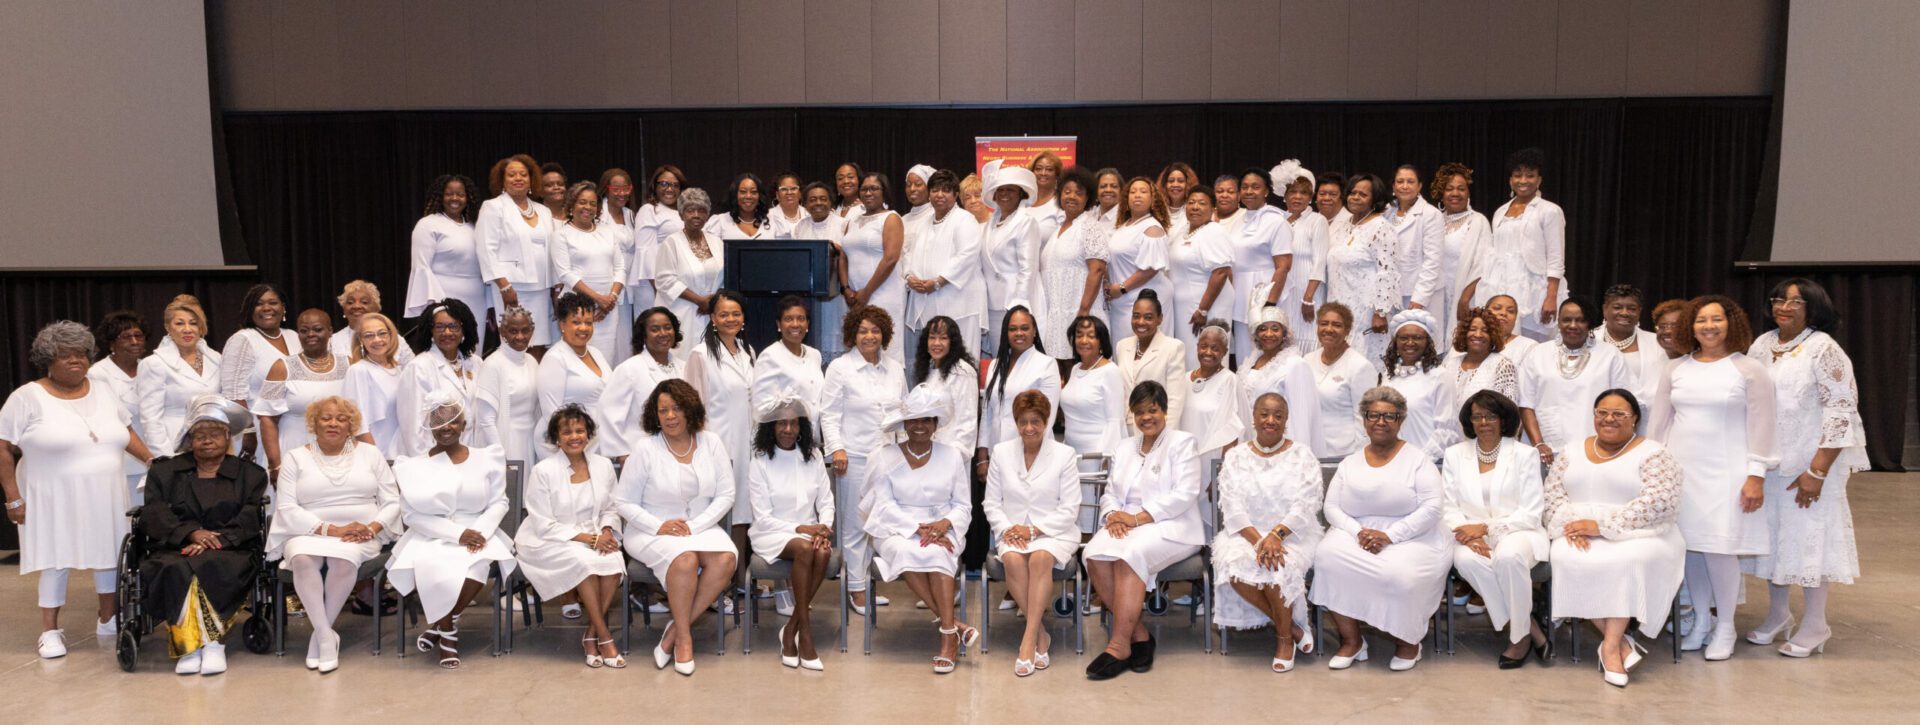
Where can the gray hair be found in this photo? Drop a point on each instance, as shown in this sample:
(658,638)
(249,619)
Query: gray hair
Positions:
(516,312)
(59,338)
(693,197)
(1383,394)
(1214,328)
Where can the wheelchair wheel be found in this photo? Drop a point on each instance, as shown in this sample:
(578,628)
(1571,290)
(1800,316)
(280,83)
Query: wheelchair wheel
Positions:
(127,650)
(1157,604)
(1063,605)
(258,635)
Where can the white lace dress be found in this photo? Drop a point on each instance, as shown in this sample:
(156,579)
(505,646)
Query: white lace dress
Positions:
(1063,277)
(1360,273)
(1817,406)
(1496,373)
(1264,492)
(1634,566)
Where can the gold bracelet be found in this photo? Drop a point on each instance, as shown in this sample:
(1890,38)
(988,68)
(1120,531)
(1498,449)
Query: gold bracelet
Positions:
(1278,532)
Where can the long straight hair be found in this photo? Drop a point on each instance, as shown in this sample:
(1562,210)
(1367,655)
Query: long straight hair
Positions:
(1003,357)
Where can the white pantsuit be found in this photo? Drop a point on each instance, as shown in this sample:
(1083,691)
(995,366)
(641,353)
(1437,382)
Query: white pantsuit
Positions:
(1509,502)
(854,402)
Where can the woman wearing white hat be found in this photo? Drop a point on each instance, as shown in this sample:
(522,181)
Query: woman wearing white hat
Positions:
(1296,185)
(1278,367)
(1009,251)
(918,507)
(793,509)
(1414,369)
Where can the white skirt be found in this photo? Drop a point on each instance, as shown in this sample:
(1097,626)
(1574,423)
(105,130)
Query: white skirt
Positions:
(768,545)
(1234,560)
(1145,551)
(1061,547)
(556,567)
(1635,578)
(1810,546)
(440,569)
(657,552)
(895,555)
(332,547)
(1396,590)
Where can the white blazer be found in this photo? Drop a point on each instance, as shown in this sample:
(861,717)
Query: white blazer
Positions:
(166,384)
(787,491)
(1166,482)
(429,372)
(1033,371)
(509,248)
(900,497)
(1045,496)
(648,496)
(1509,499)
(1418,249)
(1165,361)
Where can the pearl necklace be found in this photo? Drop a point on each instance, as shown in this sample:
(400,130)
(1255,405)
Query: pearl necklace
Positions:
(1571,363)
(1487,457)
(1265,451)
(1620,345)
(678,454)
(1604,456)
(313,364)
(528,213)
(334,467)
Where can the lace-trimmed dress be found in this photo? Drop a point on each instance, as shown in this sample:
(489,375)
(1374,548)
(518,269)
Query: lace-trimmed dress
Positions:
(1360,273)
(1263,492)
(1634,567)
(289,398)
(1063,277)
(1817,407)
(1496,373)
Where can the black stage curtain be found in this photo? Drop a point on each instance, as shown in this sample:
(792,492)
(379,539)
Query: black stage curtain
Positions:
(1658,192)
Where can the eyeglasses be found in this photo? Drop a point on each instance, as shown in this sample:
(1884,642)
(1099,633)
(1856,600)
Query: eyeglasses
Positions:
(1788,303)
(1484,418)
(785,189)
(1376,417)
(445,327)
(619,187)
(1611,415)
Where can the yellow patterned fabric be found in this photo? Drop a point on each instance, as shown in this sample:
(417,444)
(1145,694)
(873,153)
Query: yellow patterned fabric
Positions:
(198,625)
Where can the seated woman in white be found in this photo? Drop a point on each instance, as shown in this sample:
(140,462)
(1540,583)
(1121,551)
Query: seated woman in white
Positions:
(1270,525)
(336,504)
(1032,502)
(675,493)
(1617,553)
(1493,507)
(451,500)
(793,508)
(1150,520)
(1385,561)
(918,507)
(568,542)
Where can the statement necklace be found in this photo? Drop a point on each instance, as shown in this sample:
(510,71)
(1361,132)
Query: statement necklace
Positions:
(1265,451)
(908,447)
(1788,346)
(1487,457)
(1571,363)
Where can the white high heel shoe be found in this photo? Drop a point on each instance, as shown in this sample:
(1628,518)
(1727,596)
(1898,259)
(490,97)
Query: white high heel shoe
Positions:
(1793,650)
(1766,636)
(1338,662)
(1617,679)
(329,653)
(1635,653)
(786,660)
(313,652)
(661,657)
(1720,647)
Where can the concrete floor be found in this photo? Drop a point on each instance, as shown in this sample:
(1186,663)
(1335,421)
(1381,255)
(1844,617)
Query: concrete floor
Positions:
(1870,670)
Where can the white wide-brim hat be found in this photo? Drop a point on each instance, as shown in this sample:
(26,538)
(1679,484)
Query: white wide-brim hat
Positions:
(924,401)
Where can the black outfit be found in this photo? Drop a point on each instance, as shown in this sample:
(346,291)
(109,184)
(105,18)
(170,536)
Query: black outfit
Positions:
(180,502)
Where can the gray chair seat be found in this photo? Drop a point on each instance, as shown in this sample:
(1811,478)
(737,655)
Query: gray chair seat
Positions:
(758,570)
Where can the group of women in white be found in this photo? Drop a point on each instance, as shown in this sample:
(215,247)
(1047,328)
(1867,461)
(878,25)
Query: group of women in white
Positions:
(1280,321)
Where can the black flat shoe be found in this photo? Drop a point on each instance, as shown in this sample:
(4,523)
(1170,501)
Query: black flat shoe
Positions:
(1106,667)
(1142,658)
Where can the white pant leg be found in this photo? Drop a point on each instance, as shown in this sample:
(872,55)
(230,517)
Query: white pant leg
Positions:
(1505,582)
(990,341)
(857,550)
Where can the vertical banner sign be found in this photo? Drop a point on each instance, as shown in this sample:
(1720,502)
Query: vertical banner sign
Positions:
(1020,150)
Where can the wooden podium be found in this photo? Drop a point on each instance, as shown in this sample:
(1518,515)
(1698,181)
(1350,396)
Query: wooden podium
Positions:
(765,271)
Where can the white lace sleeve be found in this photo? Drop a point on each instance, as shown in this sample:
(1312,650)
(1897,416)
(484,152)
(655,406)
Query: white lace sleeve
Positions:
(1093,241)
(1559,512)
(1506,379)
(1657,504)
(237,364)
(1839,398)
(1386,286)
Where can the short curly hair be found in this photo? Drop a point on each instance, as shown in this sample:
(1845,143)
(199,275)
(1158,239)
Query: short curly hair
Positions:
(850,325)
(566,413)
(358,286)
(62,337)
(312,416)
(1383,394)
(497,176)
(1339,310)
(640,327)
(115,324)
(1032,401)
(1444,175)
(684,396)
(1739,331)
(1486,318)
(570,303)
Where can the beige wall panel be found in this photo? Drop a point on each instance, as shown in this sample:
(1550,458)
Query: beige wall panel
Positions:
(706,52)
(1246,49)
(1593,48)
(1176,50)
(246,55)
(772,52)
(1453,49)
(1663,52)
(839,51)
(1737,46)
(1040,50)
(906,51)
(1313,49)
(1383,49)
(1523,41)
(973,50)
(1107,50)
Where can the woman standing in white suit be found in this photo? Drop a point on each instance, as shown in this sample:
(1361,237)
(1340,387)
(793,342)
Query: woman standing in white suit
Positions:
(1528,256)
(1005,250)
(861,388)
(1148,354)
(942,267)
(1467,237)
(1418,231)
(179,369)
(688,267)
(619,209)
(513,230)
(506,392)
(721,371)
(653,223)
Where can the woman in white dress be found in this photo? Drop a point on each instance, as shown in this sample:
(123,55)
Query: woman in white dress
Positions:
(1149,354)
(1150,519)
(793,514)
(1714,411)
(450,366)
(1527,257)
(259,343)
(655,221)
(179,369)
(942,268)
(1277,367)
(1137,253)
(1309,233)
(444,255)
(588,260)
(1384,561)
(1212,411)
(505,398)
(512,232)
(1006,251)
(294,383)
(687,269)
(373,381)
(918,508)
(335,504)
(1506,313)
(621,404)
(1020,366)
(1227,212)
(721,371)
(578,372)
(1617,556)
(1047,170)
(1032,504)
(451,502)
(123,334)
(873,242)
(1646,360)
(357,299)
(1270,502)
(1822,443)
(1199,272)
(1360,270)
(1341,375)
(942,360)
(619,209)
(1094,399)
(674,494)
(1418,230)
(1475,363)
(1263,259)
(743,216)
(790,367)
(1466,239)
(1413,369)
(1073,264)
(861,387)
(568,545)
(64,489)
(1493,507)
(1559,381)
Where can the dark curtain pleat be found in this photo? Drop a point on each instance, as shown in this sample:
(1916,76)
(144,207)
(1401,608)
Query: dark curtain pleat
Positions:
(1657,192)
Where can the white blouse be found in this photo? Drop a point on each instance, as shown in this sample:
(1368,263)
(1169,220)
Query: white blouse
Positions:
(727,226)
(504,403)
(1289,375)
(855,399)
(677,269)
(1263,234)
(786,492)
(1495,373)
(777,372)
(623,402)
(441,246)
(245,360)
(655,488)
(562,378)
(1164,362)
(1418,235)
(652,224)
(1132,249)
(781,226)
(1339,387)
(1165,482)
(1033,370)
(166,385)
(1309,253)
(1094,403)
(1211,412)
(595,257)
(962,426)
(1433,415)
(1191,259)
(123,386)
(1563,404)
(1006,258)
(511,249)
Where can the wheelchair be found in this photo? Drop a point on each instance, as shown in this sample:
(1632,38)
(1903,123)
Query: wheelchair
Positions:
(257,630)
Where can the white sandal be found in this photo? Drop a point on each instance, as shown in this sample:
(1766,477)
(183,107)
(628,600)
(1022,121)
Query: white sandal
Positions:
(594,660)
(942,664)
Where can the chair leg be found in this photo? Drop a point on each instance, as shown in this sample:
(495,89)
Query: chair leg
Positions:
(1673,615)
(843,609)
(986,609)
(379,590)
(1573,641)
(1206,632)
(752,607)
(1079,618)
(279,615)
(1446,602)
(626,618)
